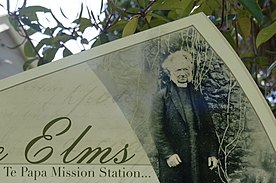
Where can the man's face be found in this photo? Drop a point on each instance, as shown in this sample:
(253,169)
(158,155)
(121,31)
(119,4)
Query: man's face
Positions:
(182,75)
(181,72)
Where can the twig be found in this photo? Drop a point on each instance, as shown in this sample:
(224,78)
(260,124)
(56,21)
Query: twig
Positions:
(107,23)
(237,36)
(222,14)
(28,38)
(149,5)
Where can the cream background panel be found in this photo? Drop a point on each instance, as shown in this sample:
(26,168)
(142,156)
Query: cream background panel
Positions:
(73,92)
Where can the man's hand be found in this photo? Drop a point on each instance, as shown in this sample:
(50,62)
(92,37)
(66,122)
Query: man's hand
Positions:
(173,160)
(212,162)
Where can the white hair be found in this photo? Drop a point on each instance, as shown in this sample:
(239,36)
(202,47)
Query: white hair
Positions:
(177,56)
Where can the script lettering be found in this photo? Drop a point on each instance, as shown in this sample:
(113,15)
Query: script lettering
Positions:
(2,149)
(87,155)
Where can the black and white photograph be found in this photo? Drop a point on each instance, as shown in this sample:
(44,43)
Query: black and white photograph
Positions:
(188,110)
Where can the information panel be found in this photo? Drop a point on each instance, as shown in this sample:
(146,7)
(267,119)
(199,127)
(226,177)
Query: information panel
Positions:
(170,104)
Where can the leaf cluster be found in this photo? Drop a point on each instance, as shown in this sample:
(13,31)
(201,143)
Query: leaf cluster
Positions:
(54,38)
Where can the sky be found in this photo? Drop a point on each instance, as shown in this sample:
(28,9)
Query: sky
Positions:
(70,8)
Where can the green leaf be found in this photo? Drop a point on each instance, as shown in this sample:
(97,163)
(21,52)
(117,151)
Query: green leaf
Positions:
(61,38)
(187,6)
(66,52)
(156,22)
(29,50)
(84,41)
(26,21)
(253,7)
(30,15)
(148,18)
(50,53)
(166,5)
(48,31)
(133,10)
(244,23)
(113,8)
(101,39)
(46,41)
(42,61)
(274,72)
(39,46)
(36,27)
(83,23)
(247,54)
(34,9)
(207,6)
(130,27)
(160,17)
(173,15)
(262,61)
(64,38)
(28,63)
(118,26)
(265,34)
(30,31)
(96,43)
(142,3)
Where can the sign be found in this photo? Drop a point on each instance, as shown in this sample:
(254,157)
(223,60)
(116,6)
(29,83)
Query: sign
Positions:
(95,116)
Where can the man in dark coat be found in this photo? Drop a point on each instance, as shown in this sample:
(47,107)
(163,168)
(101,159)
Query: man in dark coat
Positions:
(182,127)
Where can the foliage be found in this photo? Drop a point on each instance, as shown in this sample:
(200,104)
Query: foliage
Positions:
(248,25)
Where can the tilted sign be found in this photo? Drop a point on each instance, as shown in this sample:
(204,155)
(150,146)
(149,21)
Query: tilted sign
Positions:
(170,104)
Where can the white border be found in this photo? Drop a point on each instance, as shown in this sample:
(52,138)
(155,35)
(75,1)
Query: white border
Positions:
(210,33)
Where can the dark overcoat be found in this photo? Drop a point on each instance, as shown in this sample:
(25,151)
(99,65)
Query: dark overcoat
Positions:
(171,134)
